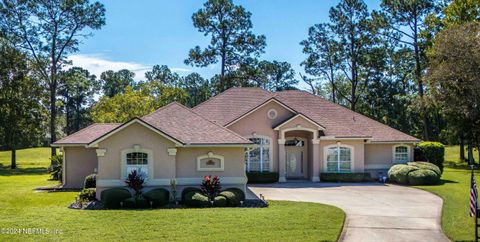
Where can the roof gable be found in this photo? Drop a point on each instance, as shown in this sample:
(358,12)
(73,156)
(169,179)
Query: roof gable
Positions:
(271,100)
(190,128)
(297,117)
(129,123)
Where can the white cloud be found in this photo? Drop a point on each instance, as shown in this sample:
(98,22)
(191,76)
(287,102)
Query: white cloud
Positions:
(96,64)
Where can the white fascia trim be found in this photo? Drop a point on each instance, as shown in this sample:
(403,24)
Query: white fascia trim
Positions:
(128,124)
(166,182)
(302,116)
(217,145)
(343,138)
(258,107)
(68,145)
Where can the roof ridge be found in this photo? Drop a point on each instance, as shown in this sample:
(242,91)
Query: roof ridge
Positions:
(228,130)
(354,112)
(225,92)
(159,109)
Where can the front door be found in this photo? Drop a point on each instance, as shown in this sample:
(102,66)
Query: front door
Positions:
(296,157)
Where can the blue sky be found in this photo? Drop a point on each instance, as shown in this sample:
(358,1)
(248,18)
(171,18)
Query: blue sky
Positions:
(140,34)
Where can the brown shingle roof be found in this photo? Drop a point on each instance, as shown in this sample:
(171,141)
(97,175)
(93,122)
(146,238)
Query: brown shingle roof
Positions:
(338,120)
(188,127)
(88,134)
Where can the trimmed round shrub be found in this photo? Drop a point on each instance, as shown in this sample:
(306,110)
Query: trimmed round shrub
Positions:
(187,190)
(399,173)
(233,196)
(88,194)
(426,165)
(423,177)
(196,199)
(220,201)
(129,203)
(90,181)
(141,202)
(158,196)
(433,152)
(111,198)
(238,192)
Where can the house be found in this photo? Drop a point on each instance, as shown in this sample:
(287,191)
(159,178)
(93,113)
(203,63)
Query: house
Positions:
(294,133)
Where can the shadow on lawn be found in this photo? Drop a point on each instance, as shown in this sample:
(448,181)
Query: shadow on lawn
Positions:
(6,171)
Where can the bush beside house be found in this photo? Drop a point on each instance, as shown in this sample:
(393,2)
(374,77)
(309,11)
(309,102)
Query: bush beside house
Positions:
(433,152)
(415,173)
(262,177)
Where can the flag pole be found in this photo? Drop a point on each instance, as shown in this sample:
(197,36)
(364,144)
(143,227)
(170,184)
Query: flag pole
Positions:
(476,213)
(472,165)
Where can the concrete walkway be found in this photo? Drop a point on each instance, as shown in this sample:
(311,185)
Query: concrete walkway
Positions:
(375,212)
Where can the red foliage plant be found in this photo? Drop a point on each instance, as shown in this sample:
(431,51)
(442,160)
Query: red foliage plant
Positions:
(211,186)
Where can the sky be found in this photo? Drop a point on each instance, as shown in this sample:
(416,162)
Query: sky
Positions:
(140,34)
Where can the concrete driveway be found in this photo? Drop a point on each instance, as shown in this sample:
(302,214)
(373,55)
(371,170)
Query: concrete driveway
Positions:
(375,212)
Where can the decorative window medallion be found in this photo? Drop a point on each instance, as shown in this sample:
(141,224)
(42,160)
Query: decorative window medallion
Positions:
(272,114)
(210,162)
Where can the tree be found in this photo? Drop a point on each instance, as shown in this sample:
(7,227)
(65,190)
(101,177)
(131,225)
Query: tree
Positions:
(454,76)
(77,89)
(115,82)
(277,76)
(20,110)
(48,31)
(123,107)
(404,22)
(134,103)
(322,60)
(163,75)
(350,37)
(197,87)
(231,39)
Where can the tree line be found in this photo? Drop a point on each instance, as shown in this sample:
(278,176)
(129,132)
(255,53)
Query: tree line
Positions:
(412,65)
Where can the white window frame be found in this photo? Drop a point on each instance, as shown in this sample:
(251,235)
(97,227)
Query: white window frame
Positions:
(338,146)
(214,156)
(394,152)
(270,153)
(137,148)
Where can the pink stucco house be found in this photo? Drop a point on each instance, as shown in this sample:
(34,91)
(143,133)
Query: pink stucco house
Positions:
(294,133)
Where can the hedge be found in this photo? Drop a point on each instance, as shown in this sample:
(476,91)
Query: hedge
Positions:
(433,152)
(113,197)
(262,177)
(90,181)
(415,173)
(196,199)
(159,197)
(187,190)
(345,177)
(234,196)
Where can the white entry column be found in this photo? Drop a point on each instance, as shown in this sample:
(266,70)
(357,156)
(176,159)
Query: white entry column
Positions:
(281,161)
(316,160)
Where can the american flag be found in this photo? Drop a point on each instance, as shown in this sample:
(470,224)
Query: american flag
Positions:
(473,197)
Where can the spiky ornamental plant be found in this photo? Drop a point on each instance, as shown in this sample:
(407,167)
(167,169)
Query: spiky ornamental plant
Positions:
(135,181)
(211,186)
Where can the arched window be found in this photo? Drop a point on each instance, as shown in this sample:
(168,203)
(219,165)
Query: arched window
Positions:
(401,154)
(258,158)
(137,161)
(339,158)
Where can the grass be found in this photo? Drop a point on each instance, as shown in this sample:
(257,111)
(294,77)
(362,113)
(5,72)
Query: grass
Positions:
(454,190)
(21,207)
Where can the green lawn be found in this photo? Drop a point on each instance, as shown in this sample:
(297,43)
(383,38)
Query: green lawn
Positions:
(21,207)
(456,222)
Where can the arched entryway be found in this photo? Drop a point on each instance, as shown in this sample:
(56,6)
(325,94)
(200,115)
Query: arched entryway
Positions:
(296,150)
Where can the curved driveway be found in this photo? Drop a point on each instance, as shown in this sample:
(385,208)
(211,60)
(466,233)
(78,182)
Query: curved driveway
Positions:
(375,212)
